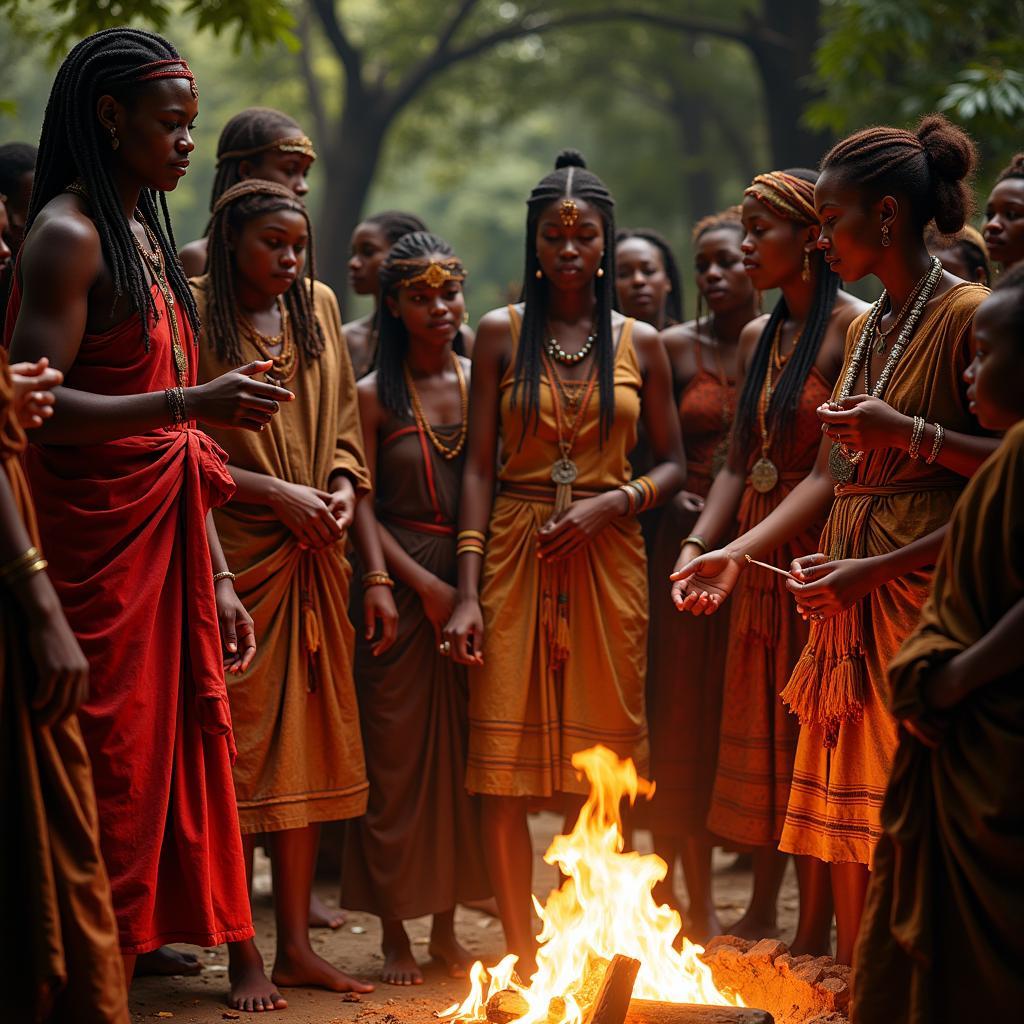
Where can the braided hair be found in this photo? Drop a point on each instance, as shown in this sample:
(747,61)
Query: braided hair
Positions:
(570,179)
(674,299)
(16,159)
(393,224)
(73,146)
(240,204)
(931,166)
(781,413)
(729,219)
(970,244)
(393,336)
(1014,169)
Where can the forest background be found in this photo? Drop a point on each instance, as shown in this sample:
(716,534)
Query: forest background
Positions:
(455,108)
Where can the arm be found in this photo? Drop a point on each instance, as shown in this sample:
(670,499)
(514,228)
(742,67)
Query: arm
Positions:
(235,622)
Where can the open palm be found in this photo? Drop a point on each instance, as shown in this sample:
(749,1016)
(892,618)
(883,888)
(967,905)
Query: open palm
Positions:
(702,585)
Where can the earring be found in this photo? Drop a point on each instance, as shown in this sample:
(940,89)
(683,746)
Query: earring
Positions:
(805,274)
(886,241)
(600,271)
(465,317)
(114,140)
(538,273)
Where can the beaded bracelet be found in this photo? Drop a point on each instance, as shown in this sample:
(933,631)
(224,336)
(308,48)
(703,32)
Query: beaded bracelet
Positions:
(176,403)
(914,448)
(227,574)
(940,436)
(698,540)
(641,494)
(378,579)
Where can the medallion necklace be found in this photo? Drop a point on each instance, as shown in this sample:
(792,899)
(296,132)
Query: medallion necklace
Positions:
(570,399)
(764,474)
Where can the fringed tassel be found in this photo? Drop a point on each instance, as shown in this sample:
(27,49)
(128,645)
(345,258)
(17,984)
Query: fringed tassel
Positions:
(555,613)
(311,635)
(563,499)
(756,616)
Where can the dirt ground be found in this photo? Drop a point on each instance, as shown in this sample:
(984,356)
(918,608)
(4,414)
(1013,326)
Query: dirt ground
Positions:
(356,948)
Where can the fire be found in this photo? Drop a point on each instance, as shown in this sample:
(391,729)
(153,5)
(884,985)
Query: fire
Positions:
(604,907)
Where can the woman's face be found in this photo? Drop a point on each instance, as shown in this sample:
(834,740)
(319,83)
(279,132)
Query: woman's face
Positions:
(270,251)
(369,247)
(288,169)
(432,316)
(153,130)
(995,378)
(641,281)
(772,247)
(1004,222)
(851,230)
(718,263)
(569,254)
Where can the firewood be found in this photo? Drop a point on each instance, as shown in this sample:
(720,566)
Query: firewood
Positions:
(615,992)
(506,1006)
(648,1011)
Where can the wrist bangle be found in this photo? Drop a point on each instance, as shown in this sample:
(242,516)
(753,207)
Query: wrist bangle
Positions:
(940,436)
(378,579)
(17,564)
(916,433)
(698,540)
(469,547)
(176,403)
(37,565)
(471,535)
(227,574)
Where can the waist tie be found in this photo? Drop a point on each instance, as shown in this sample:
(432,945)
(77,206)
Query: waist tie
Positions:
(418,526)
(828,682)
(541,494)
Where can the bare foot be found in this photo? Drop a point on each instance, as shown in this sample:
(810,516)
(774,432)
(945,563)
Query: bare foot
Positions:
(400,967)
(166,961)
(300,967)
(250,989)
(750,926)
(445,949)
(323,916)
(702,926)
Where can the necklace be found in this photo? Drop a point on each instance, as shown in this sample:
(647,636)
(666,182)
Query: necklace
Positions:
(841,461)
(575,397)
(556,352)
(286,361)
(764,474)
(447,452)
(883,336)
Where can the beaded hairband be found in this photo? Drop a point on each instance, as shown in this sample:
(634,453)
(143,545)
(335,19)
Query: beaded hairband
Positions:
(434,272)
(173,68)
(257,187)
(293,144)
(788,196)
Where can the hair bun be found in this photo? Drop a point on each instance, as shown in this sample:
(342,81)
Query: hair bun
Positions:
(950,151)
(569,158)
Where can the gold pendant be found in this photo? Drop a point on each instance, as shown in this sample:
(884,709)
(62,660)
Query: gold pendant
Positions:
(564,472)
(764,475)
(839,464)
(180,360)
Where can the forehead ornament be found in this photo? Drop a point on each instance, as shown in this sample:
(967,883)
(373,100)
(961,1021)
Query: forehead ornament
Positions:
(433,272)
(568,213)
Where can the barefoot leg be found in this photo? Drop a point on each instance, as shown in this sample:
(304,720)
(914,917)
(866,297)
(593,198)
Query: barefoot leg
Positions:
(400,967)
(510,865)
(323,916)
(814,929)
(128,959)
(702,921)
(761,919)
(849,889)
(295,963)
(166,961)
(667,848)
(444,946)
(251,990)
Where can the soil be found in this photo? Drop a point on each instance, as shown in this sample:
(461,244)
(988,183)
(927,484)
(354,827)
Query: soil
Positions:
(355,947)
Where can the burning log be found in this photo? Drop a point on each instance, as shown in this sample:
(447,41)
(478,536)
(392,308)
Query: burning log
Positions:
(647,1011)
(506,1006)
(615,992)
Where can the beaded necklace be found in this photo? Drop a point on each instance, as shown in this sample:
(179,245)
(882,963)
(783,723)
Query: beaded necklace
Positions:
(447,452)
(286,361)
(555,350)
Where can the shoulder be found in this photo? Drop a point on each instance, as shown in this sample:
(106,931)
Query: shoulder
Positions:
(963,299)
(496,320)
(681,339)
(366,387)
(751,333)
(645,337)
(63,240)
(467,365)
(369,401)
(193,257)
(324,298)
(847,309)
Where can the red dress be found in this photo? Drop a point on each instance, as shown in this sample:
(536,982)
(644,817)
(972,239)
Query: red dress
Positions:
(123,524)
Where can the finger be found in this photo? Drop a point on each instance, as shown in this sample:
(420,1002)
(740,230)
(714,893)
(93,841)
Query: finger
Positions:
(836,415)
(247,642)
(229,637)
(256,366)
(686,571)
(46,681)
(689,600)
(460,648)
(333,527)
(476,646)
(266,406)
(54,709)
(260,389)
(561,545)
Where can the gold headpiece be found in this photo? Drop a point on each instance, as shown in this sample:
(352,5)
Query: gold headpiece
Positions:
(569,213)
(293,144)
(433,272)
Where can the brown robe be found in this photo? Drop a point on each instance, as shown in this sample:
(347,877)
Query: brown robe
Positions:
(59,955)
(417,850)
(527,715)
(847,736)
(300,755)
(686,655)
(942,936)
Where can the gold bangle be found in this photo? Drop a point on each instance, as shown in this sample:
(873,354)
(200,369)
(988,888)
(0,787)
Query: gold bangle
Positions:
(469,547)
(227,574)
(698,540)
(28,570)
(940,436)
(16,564)
(471,535)
(377,579)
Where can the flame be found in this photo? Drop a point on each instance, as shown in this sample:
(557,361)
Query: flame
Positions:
(604,907)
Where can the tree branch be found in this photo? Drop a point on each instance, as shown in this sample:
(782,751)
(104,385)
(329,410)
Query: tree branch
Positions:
(350,56)
(453,26)
(316,102)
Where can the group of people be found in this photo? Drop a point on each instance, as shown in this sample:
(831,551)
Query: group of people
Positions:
(264,570)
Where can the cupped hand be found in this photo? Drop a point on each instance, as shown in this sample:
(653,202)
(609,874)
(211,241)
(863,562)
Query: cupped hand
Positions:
(826,588)
(563,535)
(438,600)
(865,423)
(465,632)
(62,672)
(237,632)
(307,512)
(235,399)
(701,585)
(33,391)
(380,618)
(342,501)
(687,501)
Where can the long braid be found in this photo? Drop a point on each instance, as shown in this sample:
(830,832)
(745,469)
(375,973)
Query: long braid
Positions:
(393,336)
(241,203)
(72,146)
(570,179)
(785,400)
(674,299)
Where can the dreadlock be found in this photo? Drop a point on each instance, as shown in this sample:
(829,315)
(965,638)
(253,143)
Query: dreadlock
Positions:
(250,129)
(931,166)
(728,219)
(393,337)
(72,145)
(781,412)
(1014,169)
(674,299)
(240,204)
(394,224)
(570,179)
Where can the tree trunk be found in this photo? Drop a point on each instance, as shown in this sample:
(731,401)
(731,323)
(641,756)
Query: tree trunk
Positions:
(691,117)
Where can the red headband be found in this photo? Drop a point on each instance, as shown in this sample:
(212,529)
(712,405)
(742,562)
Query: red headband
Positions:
(176,67)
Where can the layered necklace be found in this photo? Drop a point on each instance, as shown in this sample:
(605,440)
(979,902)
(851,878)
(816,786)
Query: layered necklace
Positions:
(841,461)
(556,352)
(445,450)
(286,359)
(764,474)
(571,400)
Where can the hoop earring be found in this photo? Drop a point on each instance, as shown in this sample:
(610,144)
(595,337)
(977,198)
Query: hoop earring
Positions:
(805,273)
(114,140)
(538,273)
(886,240)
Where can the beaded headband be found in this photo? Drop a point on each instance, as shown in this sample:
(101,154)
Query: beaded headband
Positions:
(790,197)
(257,187)
(434,272)
(174,68)
(293,144)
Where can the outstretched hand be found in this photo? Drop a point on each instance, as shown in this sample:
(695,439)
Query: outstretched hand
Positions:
(235,399)
(700,586)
